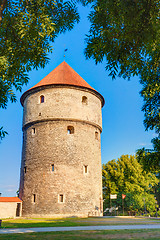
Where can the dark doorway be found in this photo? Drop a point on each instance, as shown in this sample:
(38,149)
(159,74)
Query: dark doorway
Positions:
(18,210)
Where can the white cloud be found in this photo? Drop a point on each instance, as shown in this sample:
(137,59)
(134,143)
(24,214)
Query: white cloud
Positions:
(142,144)
(145,145)
(9,190)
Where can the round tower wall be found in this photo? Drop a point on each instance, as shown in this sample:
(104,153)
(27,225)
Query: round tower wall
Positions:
(61,172)
(62,103)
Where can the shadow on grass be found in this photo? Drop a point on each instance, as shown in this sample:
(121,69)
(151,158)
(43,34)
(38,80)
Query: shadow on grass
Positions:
(71,222)
(86,235)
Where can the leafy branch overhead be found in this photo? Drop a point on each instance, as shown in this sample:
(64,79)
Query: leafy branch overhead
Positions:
(27,28)
(150,158)
(126,34)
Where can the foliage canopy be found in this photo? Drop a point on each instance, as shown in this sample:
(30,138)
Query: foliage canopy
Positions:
(27,28)
(150,158)
(123,33)
(126,176)
(126,35)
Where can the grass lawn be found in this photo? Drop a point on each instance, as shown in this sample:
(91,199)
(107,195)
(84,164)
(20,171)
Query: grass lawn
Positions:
(61,222)
(86,235)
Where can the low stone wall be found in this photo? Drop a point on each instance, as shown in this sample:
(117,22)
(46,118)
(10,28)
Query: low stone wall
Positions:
(10,209)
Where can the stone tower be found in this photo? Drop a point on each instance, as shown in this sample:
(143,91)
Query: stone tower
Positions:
(61,156)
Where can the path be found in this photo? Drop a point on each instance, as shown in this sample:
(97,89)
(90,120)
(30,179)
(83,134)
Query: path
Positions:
(89,228)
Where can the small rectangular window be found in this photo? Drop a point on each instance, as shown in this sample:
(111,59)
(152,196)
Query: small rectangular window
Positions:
(34,198)
(85,169)
(52,167)
(61,198)
(33,131)
(25,169)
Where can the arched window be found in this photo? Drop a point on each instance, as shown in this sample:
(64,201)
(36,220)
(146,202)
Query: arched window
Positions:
(70,129)
(96,135)
(84,100)
(41,99)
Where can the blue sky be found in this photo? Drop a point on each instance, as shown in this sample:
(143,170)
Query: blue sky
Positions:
(123,130)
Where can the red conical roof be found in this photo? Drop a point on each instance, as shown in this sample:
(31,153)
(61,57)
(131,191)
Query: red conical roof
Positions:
(62,75)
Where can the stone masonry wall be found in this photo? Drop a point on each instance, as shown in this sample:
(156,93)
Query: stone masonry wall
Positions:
(64,103)
(50,143)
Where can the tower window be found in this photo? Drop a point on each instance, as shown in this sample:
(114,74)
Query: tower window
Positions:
(41,99)
(85,169)
(25,169)
(84,100)
(39,114)
(52,168)
(33,131)
(61,198)
(96,135)
(34,198)
(70,129)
